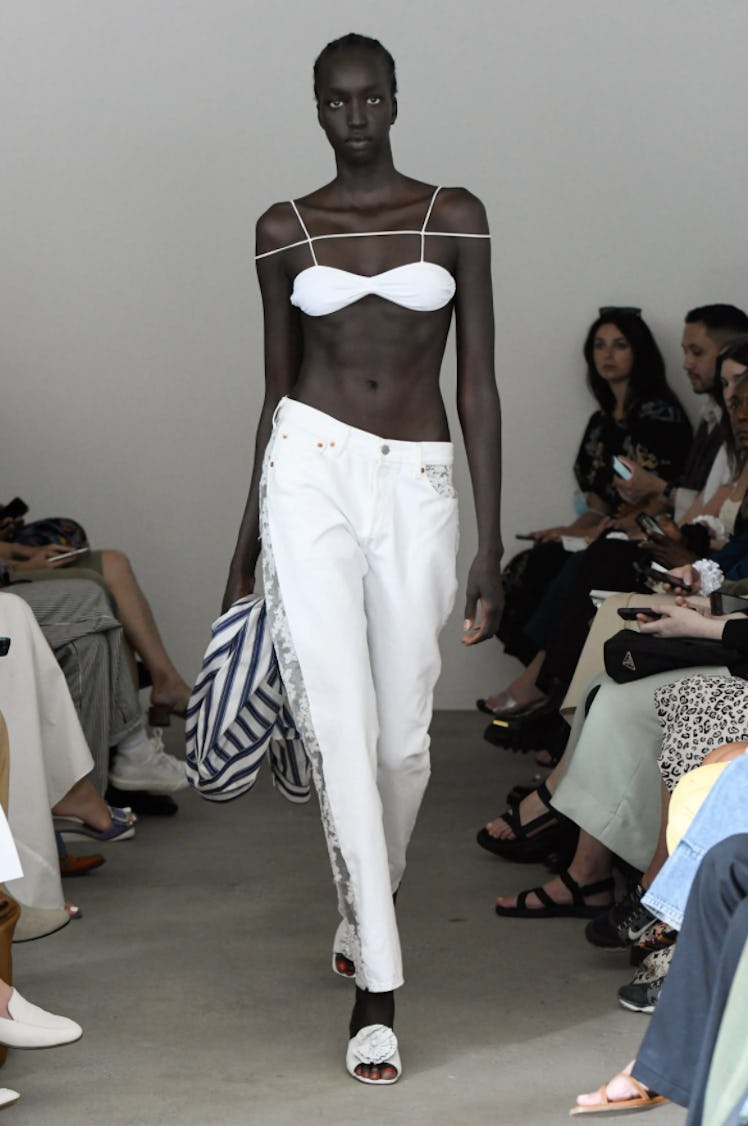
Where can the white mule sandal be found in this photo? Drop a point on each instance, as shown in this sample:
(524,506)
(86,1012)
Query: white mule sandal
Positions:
(374,1045)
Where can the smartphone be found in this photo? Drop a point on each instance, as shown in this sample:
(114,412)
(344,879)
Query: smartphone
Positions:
(14,510)
(649,526)
(621,469)
(69,554)
(727,604)
(629,613)
(663,576)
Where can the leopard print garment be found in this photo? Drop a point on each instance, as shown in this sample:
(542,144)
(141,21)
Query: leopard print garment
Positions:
(698,714)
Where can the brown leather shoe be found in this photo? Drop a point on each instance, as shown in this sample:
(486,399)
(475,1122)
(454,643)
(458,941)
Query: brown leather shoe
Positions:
(72,865)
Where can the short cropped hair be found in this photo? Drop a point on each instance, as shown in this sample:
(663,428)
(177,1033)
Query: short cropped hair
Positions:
(720,321)
(359,42)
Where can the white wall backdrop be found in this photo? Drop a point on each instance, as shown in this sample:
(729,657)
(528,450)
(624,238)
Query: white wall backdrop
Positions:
(141,139)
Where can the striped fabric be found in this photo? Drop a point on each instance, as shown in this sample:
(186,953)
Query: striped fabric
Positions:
(238,713)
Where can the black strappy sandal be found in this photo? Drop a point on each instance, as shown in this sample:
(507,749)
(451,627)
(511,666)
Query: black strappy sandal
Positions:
(547,833)
(578,908)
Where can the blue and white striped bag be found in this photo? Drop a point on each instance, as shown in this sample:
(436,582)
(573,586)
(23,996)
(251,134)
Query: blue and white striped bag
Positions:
(238,713)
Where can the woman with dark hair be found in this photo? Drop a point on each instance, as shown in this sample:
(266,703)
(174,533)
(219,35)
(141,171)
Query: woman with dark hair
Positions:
(646,377)
(523,833)
(639,418)
(352,495)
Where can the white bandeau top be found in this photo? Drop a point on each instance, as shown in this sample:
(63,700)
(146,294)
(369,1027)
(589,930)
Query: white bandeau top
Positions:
(421,286)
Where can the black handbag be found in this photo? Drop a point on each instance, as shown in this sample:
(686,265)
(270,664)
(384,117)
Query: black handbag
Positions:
(630,655)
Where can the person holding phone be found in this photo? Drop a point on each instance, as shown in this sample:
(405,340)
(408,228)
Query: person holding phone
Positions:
(560,626)
(640,420)
(706,331)
(352,495)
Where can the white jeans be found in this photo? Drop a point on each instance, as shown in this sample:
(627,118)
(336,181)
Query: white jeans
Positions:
(359,537)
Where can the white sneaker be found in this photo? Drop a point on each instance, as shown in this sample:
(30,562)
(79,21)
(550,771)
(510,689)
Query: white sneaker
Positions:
(147,766)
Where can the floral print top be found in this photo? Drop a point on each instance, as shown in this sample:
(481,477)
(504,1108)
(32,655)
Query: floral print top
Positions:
(657,435)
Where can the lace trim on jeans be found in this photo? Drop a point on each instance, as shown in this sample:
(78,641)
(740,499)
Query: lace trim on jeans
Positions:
(293,682)
(440,479)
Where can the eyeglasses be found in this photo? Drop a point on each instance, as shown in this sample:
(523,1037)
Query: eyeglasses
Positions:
(626,310)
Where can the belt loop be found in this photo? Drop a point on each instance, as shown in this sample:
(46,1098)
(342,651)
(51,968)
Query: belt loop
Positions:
(339,440)
(276,411)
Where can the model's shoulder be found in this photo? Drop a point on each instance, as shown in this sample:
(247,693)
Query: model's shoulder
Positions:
(461,212)
(277,228)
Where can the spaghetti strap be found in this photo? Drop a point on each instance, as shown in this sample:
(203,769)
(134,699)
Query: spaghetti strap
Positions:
(306,232)
(426,220)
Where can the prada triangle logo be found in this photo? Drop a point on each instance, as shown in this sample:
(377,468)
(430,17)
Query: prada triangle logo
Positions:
(628,661)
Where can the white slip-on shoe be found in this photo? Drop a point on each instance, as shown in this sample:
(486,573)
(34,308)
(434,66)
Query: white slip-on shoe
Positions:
(376,1044)
(8,1097)
(32,1027)
(149,767)
(38,922)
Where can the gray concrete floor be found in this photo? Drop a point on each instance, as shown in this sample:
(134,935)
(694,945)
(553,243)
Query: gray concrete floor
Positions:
(200,973)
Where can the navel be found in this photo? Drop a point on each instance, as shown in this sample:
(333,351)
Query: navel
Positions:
(372,383)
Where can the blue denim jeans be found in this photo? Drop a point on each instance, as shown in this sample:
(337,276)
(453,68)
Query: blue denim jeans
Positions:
(723,813)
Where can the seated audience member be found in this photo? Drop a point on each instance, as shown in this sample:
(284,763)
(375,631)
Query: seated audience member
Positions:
(706,331)
(76,620)
(610,787)
(638,417)
(50,763)
(614,564)
(694,1050)
(169,692)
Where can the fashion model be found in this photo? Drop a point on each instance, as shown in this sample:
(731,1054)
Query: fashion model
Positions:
(353,501)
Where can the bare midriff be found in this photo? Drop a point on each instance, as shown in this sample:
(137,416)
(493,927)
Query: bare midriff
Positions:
(376,366)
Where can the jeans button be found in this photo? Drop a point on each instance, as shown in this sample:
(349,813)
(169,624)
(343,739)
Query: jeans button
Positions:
(385,449)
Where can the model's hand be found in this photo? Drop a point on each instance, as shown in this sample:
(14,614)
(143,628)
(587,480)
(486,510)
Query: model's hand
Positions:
(641,485)
(484,588)
(682,621)
(725,753)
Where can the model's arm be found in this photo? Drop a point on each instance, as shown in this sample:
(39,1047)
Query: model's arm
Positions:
(282,359)
(480,414)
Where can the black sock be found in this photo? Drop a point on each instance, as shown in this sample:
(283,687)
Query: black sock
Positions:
(372,1008)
